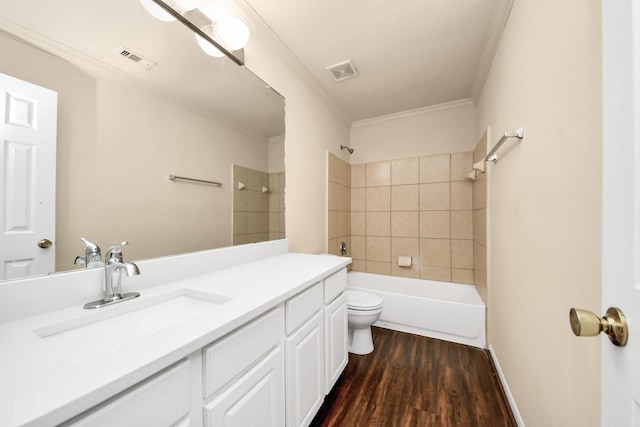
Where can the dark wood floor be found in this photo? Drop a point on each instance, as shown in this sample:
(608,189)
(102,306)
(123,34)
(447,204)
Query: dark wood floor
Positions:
(411,380)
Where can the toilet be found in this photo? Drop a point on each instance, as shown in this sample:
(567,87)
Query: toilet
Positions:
(363,309)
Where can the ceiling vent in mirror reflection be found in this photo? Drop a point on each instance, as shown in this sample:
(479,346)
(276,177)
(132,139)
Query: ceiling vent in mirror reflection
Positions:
(145,63)
(343,71)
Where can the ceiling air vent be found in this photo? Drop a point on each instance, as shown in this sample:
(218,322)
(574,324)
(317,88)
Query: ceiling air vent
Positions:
(138,59)
(343,71)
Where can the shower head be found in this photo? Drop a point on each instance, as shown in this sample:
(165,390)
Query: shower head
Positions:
(344,147)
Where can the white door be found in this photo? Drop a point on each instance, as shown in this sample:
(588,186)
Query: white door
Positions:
(27,178)
(621,207)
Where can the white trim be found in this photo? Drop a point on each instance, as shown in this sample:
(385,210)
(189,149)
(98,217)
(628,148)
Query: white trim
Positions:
(416,112)
(505,386)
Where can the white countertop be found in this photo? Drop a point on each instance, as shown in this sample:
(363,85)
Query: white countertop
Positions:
(45,381)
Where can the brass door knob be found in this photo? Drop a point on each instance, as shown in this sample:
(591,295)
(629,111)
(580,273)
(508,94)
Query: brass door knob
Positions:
(587,324)
(45,243)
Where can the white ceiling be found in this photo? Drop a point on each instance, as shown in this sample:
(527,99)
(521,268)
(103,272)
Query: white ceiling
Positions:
(410,53)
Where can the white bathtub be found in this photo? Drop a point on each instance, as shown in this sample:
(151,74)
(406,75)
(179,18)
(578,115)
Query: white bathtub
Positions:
(447,311)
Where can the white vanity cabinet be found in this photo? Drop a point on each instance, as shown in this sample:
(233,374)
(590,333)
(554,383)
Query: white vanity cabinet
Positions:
(316,346)
(304,355)
(244,375)
(162,400)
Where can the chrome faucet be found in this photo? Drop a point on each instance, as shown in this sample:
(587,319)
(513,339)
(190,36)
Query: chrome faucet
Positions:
(114,266)
(92,257)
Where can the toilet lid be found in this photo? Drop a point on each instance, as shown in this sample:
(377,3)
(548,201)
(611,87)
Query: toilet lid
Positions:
(363,300)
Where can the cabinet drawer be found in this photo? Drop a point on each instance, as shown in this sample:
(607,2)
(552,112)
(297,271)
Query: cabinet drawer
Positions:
(301,307)
(229,357)
(334,285)
(162,400)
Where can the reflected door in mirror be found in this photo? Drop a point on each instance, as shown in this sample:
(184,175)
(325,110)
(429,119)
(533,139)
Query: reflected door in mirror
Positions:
(28,177)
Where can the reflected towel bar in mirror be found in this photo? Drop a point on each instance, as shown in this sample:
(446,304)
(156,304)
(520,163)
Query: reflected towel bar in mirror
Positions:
(184,178)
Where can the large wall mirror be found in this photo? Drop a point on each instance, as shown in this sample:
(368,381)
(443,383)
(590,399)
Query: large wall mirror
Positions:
(125,125)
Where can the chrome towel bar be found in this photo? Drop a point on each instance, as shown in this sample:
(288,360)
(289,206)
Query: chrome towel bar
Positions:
(184,178)
(492,157)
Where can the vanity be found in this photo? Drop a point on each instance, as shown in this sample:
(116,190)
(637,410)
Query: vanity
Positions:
(254,335)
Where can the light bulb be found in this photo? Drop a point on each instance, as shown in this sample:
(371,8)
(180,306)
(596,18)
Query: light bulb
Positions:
(232,32)
(186,5)
(157,11)
(207,46)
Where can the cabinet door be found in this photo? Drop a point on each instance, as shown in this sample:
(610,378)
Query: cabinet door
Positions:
(256,399)
(305,372)
(335,330)
(162,400)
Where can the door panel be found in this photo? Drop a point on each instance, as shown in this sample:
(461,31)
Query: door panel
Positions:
(27,180)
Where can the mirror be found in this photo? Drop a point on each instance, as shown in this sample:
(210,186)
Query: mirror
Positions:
(124,126)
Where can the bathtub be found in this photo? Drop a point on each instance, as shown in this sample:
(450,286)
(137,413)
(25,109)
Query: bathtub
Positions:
(447,311)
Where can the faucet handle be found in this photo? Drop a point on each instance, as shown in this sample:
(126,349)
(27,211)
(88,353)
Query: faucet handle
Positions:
(116,250)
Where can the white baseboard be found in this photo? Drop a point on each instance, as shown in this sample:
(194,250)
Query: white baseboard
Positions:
(505,386)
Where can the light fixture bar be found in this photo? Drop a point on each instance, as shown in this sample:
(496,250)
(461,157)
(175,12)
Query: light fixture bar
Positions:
(198,31)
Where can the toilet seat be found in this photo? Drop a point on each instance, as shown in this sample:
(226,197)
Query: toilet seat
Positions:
(363,301)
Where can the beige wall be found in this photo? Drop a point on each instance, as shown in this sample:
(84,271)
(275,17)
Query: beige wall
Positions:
(544,207)
(313,127)
(439,129)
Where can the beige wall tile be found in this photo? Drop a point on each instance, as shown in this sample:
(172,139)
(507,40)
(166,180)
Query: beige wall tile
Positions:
(333,246)
(358,176)
(462,225)
(479,265)
(405,246)
(338,170)
(359,265)
(378,249)
(378,173)
(358,200)
(240,222)
(376,267)
(461,165)
(480,226)
(462,254)
(441,274)
(462,276)
(435,224)
(378,224)
(412,272)
(240,200)
(341,223)
(357,224)
(405,197)
(378,199)
(404,224)
(254,201)
(405,171)
(258,222)
(435,169)
(334,196)
(480,192)
(461,195)
(435,197)
(358,247)
(332,224)
(435,252)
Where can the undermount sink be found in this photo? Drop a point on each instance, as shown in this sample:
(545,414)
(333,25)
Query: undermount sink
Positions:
(113,327)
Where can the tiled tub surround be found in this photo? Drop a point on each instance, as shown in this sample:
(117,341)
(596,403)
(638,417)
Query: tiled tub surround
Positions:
(339,204)
(480,223)
(420,207)
(257,216)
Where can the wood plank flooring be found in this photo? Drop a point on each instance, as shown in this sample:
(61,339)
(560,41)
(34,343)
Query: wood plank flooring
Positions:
(411,380)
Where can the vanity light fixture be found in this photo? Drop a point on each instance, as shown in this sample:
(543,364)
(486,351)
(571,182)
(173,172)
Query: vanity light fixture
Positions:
(230,32)
(159,13)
